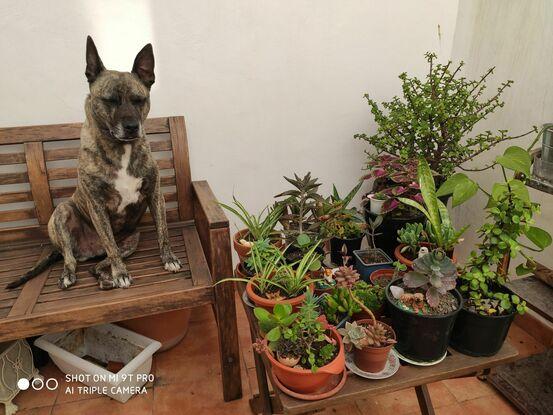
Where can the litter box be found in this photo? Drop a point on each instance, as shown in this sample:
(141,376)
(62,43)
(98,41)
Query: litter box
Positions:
(102,344)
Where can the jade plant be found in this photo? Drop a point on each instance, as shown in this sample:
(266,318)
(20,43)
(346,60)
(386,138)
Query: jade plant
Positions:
(439,229)
(297,339)
(510,220)
(363,336)
(433,275)
(436,118)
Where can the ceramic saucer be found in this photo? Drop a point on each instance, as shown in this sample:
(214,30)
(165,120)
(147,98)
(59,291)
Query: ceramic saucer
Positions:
(392,366)
(417,363)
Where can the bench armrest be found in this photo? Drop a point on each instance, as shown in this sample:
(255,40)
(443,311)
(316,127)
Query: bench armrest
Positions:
(206,206)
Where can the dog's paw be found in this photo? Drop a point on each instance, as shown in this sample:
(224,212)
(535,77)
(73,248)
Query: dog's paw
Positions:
(122,280)
(67,279)
(171,262)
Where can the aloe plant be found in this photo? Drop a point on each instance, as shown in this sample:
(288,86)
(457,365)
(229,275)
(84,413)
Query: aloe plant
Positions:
(441,231)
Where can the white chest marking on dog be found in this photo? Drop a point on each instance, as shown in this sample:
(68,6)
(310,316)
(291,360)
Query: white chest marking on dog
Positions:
(126,185)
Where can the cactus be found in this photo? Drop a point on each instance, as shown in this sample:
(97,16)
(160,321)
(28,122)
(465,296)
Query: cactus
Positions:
(434,272)
(360,336)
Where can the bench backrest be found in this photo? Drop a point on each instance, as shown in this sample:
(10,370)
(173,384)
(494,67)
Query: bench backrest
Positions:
(38,170)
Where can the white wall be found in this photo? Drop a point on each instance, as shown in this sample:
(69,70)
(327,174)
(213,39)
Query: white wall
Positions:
(515,36)
(267,87)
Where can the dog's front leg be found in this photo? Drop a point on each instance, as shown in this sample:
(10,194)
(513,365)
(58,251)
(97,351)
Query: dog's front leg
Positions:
(157,209)
(119,275)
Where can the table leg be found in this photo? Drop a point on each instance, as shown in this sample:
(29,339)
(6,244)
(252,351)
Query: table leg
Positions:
(425,403)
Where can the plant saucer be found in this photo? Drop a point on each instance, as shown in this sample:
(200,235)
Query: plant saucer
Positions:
(419,363)
(335,384)
(247,300)
(392,366)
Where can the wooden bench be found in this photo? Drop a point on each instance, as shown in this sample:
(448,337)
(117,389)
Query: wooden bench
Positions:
(38,169)
(454,365)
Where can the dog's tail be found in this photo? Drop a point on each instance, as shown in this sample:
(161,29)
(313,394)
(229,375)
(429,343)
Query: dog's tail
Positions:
(44,263)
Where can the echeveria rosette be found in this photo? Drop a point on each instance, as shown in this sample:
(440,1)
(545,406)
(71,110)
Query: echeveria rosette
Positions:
(435,272)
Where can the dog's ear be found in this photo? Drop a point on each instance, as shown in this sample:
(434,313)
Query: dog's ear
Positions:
(94,64)
(143,65)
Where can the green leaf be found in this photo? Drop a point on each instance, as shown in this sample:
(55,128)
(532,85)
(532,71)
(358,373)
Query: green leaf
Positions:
(281,310)
(448,187)
(428,191)
(273,335)
(521,270)
(414,204)
(539,237)
(519,189)
(517,159)
(261,313)
(498,190)
(464,191)
(303,239)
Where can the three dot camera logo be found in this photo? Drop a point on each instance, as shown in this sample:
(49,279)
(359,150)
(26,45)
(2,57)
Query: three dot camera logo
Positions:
(38,383)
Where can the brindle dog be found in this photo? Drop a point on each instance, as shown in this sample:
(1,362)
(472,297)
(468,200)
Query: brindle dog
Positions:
(118,179)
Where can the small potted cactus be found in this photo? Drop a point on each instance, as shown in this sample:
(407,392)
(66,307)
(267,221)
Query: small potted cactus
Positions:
(370,342)
(423,305)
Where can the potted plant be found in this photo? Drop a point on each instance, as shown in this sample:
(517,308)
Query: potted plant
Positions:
(382,277)
(342,226)
(411,237)
(257,228)
(423,306)
(349,295)
(373,258)
(376,202)
(490,307)
(304,351)
(370,342)
(393,179)
(299,217)
(439,231)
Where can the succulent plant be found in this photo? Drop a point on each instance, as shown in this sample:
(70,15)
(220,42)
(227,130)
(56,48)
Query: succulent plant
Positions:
(412,234)
(434,272)
(361,336)
(346,276)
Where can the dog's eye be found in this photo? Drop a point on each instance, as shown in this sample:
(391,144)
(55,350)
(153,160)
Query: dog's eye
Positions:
(111,100)
(138,100)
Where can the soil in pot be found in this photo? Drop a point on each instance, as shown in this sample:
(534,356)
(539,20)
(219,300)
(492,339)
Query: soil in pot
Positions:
(373,359)
(305,381)
(479,335)
(422,337)
(382,277)
(262,300)
(336,245)
(371,256)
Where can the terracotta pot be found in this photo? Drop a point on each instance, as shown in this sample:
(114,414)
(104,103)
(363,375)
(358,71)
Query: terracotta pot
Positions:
(382,277)
(167,328)
(269,304)
(409,263)
(372,359)
(242,250)
(304,380)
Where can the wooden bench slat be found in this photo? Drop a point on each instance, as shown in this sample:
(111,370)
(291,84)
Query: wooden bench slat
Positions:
(17,214)
(15,197)
(12,158)
(36,169)
(14,178)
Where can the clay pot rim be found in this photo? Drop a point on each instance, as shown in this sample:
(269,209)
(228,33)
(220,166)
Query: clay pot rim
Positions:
(339,356)
(240,234)
(373,348)
(381,272)
(406,261)
(258,300)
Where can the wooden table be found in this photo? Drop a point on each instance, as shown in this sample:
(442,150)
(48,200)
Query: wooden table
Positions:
(455,365)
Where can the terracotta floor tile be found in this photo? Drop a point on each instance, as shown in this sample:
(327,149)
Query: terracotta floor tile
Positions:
(346,409)
(454,409)
(398,403)
(137,405)
(369,407)
(202,313)
(525,343)
(486,405)
(198,397)
(464,389)
(440,395)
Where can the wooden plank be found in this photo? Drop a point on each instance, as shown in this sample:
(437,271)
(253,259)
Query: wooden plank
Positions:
(167,180)
(206,204)
(60,173)
(183,176)
(61,154)
(30,292)
(111,306)
(62,191)
(34,232)
(198,263)
(172,216)
(73,153)
(14,178)
(36,169)
(59,132)
(15,197)
(18,214)
(12,158)
(164,145)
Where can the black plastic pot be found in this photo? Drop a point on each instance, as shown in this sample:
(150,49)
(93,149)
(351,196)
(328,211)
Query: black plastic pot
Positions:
(478,335)
(387,231)
(336,245)
(422,338)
